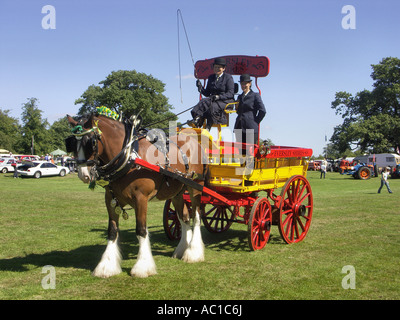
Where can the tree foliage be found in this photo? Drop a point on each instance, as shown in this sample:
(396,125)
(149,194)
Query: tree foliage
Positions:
(9,131)
(371,119)
(34,128)
(18,137)
(131,93)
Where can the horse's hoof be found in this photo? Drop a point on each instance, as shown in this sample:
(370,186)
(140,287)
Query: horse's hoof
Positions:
(140,270)
(103,271)
(193,256)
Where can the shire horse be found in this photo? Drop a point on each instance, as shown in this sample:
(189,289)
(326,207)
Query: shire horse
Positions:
(98,142)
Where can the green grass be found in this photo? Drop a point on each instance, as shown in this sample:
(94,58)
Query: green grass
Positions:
(59,222)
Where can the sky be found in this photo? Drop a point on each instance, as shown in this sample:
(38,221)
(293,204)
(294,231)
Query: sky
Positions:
(316,48)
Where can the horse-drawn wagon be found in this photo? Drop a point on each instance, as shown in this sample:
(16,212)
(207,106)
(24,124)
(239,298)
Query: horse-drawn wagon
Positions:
(234,192)
(201,178)
(241,189)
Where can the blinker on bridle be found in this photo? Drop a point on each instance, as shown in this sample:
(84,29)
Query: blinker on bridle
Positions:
(77,134)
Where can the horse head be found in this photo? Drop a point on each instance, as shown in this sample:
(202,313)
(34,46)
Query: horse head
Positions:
(83,143)
(96,140)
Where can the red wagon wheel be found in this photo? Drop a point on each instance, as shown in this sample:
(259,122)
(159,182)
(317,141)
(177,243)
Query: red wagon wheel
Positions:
(172,226)
(260,221)
(295,210)
(218,219)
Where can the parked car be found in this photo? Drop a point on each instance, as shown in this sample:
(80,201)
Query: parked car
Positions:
(21,157)
(38,169)
(2,159)
(314,165)
(7,165)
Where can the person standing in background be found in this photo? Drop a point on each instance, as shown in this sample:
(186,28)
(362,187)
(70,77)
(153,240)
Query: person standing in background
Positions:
(384,176)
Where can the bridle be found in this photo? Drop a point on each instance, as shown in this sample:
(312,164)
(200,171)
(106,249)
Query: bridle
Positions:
(74,143)
(115,168)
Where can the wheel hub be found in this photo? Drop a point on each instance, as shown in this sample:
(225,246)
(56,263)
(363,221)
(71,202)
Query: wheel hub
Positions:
(300,210)
(265,225)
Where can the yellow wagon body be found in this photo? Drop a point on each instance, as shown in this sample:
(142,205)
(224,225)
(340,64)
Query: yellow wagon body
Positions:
(231,171)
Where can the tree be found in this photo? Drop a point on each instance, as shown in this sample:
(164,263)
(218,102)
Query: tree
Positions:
(57,133)
(129,92)
(9,132)
(371,119)
(34,129)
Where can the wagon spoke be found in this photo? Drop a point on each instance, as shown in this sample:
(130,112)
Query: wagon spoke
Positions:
(296,229)
(172,226)
(289,225)
(300,193)
(175,229)
(256,235)
(301,224)
(292,196)
(307,195)
(211,210)
(289,214)
(296,189)
(307,217)
(224,217)
(292,230)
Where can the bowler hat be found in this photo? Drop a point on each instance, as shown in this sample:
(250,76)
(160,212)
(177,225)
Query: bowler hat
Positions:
(220,61)
(245,78)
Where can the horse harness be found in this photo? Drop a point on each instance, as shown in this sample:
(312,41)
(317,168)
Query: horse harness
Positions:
(124,161)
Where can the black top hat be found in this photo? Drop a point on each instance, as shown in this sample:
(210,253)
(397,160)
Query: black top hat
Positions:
(220,61)
(245,78)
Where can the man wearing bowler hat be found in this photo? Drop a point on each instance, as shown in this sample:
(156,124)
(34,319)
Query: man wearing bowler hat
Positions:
(250,111)
(219,91)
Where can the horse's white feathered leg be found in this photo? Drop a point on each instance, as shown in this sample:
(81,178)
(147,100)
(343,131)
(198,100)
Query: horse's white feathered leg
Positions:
(110,263)
(145,265)
(195,250)
(185,239)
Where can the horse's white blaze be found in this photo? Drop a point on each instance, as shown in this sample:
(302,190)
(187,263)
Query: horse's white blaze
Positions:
(145,265)
(83,174)
(81,153)
(110,263)
(195,250)
(185,239)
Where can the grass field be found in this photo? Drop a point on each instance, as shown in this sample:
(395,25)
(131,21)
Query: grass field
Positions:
(59,222)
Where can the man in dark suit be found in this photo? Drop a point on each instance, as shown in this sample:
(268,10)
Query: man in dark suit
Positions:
(250,111)
(219,91)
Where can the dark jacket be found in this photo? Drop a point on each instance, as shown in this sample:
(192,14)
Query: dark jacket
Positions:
(251,111)
(224,87)
(213,111)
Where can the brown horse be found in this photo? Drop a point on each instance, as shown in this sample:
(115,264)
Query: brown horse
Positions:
(101,146)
